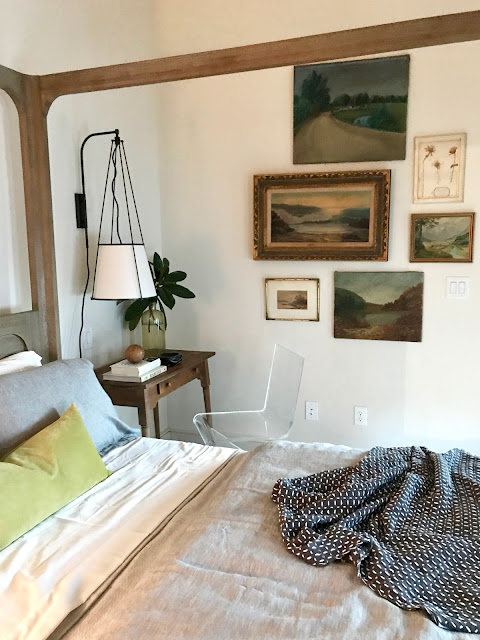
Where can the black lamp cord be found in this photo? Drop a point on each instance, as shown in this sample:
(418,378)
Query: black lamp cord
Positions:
(87,252)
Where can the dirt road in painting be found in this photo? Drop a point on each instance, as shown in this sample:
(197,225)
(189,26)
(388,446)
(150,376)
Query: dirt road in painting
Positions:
(326,139)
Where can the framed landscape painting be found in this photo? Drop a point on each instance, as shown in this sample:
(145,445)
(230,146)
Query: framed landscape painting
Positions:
(351,111)
(439,168)
(292,298)
(322,216)
(441,237)
(386,305)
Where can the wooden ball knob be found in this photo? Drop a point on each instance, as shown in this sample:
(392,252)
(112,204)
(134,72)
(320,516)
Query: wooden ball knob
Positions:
(134,353)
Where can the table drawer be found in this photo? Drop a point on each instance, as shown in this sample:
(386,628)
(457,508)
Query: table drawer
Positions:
(166,387)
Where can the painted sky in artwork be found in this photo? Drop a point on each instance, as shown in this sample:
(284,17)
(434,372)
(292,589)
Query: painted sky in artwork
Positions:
(381,76)
(327,203)
(378,288)
(446,229)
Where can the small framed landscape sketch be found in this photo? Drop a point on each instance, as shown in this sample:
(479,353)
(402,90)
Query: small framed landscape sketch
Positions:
(292,298)
(441,237)
(439,168)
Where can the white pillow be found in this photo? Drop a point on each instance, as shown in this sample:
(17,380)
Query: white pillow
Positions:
(20,362)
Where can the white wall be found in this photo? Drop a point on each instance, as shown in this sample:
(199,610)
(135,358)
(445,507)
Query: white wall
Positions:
(219,132)
(185,26)
(15,293)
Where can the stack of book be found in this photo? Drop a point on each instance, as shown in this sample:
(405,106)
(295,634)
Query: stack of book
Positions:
(125,371)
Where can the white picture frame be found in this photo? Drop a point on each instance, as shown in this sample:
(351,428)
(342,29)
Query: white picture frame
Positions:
(292,299)
(439,168)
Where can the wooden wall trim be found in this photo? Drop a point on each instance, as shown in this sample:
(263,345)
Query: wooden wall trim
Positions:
(13,83)
(410,34)
(39,327)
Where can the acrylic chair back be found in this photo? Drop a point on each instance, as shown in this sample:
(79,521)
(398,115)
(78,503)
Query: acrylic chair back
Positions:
(282,391)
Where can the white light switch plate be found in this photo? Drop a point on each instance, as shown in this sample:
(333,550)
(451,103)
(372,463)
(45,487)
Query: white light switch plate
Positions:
(457,287)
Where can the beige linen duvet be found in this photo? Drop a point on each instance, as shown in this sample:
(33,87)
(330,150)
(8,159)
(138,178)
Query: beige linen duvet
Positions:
(219,569)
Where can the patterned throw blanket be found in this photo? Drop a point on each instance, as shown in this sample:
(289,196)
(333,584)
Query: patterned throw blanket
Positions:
(407,517)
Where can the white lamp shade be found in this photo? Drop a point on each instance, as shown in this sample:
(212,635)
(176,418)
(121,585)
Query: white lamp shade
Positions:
(122,273)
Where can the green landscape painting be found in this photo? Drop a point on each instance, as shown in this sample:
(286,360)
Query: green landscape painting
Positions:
(321,216)
(384,305)
(351,111)
(441,237)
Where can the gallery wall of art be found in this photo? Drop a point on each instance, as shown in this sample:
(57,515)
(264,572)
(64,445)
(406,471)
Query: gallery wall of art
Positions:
(223,131)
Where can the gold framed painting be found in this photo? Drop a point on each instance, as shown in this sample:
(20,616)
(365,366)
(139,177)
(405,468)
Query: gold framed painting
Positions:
(292,299)
(441,237)
(341,215)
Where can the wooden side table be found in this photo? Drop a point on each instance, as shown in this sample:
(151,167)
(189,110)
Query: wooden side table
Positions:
(145,395)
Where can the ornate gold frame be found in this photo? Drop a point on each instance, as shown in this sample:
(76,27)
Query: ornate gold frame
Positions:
(263,184)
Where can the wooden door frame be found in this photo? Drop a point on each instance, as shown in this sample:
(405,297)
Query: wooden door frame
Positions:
(33,96)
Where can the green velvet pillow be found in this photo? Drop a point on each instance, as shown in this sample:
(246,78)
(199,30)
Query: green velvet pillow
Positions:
(45,473)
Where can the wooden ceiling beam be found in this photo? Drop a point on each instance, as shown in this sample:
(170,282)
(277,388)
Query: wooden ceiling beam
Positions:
(398,36)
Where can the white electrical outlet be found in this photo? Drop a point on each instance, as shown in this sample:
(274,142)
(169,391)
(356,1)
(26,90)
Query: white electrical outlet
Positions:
(360,416)
(311,410)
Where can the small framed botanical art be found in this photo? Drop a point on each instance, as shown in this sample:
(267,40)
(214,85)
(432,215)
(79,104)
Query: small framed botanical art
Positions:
(439,168)
(292,298)
(441,237)
(341,215)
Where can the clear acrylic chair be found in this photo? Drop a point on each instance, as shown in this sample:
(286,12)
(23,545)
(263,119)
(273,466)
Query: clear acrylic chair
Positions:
(246,430)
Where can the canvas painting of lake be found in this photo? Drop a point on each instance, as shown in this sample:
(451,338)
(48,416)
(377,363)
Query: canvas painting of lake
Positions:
(441,237)
(351,111)
(326,216)
(384,305)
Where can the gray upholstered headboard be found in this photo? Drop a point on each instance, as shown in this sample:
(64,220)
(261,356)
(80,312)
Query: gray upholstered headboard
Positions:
(17,333)
(10,344)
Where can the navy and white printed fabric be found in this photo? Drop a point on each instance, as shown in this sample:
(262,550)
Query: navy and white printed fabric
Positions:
(407,517)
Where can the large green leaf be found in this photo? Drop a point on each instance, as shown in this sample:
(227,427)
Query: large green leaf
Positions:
(136,309)
(175,276)
(166,297)
(178,290)
(166,267)
(133,323)
(157,266)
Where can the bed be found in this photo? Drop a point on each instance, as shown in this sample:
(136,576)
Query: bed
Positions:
(181,541)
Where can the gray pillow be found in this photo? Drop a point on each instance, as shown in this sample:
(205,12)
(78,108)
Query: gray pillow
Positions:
(30,400)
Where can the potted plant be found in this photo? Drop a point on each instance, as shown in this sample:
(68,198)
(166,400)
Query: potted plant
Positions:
(151,311)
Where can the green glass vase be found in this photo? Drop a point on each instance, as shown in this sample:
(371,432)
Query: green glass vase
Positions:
(153,332)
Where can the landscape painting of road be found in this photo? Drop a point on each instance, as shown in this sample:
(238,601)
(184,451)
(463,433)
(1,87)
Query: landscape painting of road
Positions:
(351,111)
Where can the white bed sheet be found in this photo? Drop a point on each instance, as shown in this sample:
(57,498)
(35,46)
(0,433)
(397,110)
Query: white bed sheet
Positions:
(56,566)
